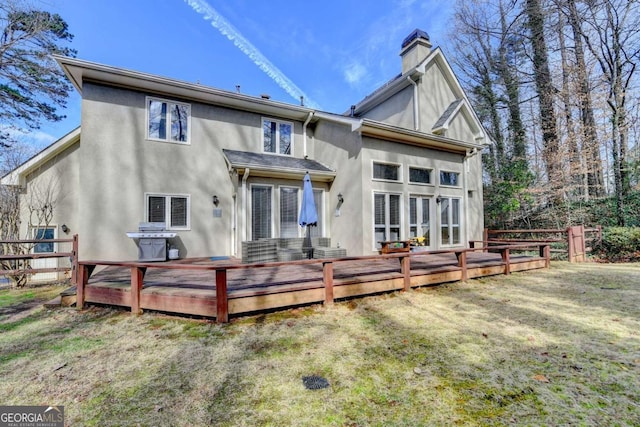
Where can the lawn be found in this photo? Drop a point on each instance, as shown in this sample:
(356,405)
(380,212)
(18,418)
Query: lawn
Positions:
(546,347)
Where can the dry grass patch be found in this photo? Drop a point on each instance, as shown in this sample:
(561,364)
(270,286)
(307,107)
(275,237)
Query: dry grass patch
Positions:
(550,347)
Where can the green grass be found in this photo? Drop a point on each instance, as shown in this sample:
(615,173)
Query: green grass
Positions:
(549,347)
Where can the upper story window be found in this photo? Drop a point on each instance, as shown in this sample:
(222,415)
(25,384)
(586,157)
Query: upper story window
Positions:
(419,175)
(277,136)
(450,178)
(168,120)
(386,171)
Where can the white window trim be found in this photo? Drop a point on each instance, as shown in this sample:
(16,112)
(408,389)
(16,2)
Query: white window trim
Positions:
(448,185)
(167,215)
(168,139)
(431,175)
(373,215)
(278,122)
(273,212)
(400,179)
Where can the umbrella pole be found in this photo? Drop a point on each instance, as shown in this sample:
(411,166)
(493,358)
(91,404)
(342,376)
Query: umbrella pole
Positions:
(307,243)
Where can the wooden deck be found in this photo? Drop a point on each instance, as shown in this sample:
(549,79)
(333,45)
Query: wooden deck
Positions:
(218,289)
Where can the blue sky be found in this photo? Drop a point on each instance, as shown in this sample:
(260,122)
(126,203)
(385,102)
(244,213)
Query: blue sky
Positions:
(334,52)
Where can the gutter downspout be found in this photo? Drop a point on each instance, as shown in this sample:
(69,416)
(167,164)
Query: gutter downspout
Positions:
(304,133)
(245,176)
(465,189)
(416,117)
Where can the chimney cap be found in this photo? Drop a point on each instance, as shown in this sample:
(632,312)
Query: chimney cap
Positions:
(415,34)
(265,96)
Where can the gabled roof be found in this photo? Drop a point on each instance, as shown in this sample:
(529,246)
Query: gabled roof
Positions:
(275,165)
(18,175)
(402,81)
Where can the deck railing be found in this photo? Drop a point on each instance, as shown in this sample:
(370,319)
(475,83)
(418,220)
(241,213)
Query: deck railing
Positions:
(138,270)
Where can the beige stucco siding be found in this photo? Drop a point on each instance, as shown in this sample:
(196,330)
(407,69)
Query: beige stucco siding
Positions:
(435,96)
(56,182)
(120,165)
(460,128)
(397,110)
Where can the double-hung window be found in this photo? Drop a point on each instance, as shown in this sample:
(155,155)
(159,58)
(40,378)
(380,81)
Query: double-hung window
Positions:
(168,120)
(386,213)
(173,210)
(277,136)
(450,221)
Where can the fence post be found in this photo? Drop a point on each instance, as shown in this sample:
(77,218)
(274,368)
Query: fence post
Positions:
(485,238)
(405,268)
(327,281)
(571,253)
(137,277)
(222,298)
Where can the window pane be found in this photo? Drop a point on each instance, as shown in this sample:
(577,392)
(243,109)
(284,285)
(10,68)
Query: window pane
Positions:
(425,222)
(413,211)
(384,171)
(269,136)
(157,119)
(317,198)
(380,235)
(178,212)
(449,178)
(456,235)
(422,176)
(455,211)
(394,210)
(179,120)
(260,212)
(45,234)
(444,211)
(379,208)
(157,208)
(285,138)
(289,212)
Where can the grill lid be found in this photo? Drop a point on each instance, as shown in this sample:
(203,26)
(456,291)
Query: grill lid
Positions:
(151,226)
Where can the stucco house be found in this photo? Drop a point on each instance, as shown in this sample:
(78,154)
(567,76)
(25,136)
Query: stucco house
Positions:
(220,167)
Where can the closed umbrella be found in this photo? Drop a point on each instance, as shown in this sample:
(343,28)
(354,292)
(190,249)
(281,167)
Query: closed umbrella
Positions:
(308,214)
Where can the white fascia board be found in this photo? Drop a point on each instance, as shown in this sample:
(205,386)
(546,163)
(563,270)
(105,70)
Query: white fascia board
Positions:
(18,175)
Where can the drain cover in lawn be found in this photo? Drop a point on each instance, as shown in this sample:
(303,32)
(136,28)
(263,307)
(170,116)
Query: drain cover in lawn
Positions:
(314,382)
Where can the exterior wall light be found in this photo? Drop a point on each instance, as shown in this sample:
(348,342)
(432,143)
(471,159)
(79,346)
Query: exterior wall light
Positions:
(340,198)
(64,228)
(438,199)
(216,201)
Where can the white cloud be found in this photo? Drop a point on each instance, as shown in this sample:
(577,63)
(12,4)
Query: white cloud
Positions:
(354,72)
(35,138)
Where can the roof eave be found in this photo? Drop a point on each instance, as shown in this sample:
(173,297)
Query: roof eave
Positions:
(411,137)
(17,177)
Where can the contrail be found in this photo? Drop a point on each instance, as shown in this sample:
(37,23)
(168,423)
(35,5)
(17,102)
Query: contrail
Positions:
(230,32)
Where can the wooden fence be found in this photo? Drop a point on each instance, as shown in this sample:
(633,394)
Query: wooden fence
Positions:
(575,241)
(27,269)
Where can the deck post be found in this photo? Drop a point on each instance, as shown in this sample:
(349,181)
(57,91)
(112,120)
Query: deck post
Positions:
(405,268)
(74,261)
(222,298)
(327,281)
(506,258)
(137,279)
(462,263)
(485,239)
(84,273)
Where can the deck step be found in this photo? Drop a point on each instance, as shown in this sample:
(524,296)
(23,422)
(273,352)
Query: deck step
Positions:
(54,303)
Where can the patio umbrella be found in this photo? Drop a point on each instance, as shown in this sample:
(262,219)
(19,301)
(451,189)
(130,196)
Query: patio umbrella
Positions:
(308,214)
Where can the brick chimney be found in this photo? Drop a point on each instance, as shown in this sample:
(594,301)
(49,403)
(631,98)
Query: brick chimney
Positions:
(415,48)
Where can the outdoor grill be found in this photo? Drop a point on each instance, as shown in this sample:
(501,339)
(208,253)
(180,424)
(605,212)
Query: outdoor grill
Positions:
(151,239)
